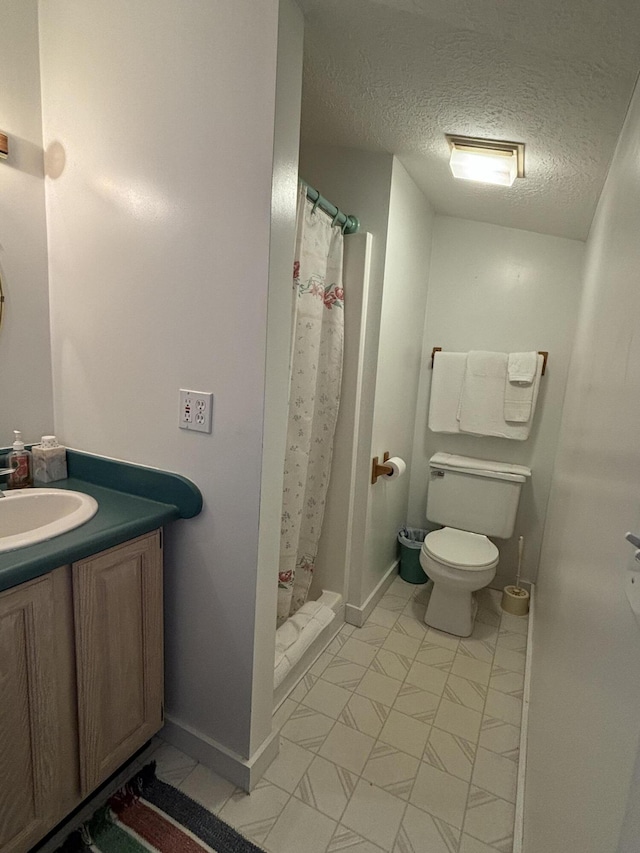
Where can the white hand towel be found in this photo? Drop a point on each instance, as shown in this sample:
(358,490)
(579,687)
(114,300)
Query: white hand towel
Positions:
(446,385)
(520,400)
(521,367)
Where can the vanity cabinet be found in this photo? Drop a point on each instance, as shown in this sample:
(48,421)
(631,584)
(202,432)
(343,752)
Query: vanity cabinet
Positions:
(28,714)
(117,599)
(81,682)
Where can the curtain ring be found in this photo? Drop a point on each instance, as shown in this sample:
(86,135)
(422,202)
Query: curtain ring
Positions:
(335,218)
(315,204)
(344,225)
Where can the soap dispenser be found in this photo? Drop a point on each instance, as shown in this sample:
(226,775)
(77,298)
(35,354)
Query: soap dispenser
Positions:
(21,461)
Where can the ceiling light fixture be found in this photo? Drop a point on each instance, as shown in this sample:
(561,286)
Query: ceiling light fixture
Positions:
(489,161)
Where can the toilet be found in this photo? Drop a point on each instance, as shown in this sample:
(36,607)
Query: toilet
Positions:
(472,499)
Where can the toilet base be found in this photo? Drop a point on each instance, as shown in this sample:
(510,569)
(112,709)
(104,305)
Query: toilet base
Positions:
(451,610)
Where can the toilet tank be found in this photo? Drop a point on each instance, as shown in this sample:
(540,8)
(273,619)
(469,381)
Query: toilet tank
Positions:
(477,495)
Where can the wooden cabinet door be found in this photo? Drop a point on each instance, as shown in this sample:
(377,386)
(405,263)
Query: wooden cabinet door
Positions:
(118,618)
(28,715)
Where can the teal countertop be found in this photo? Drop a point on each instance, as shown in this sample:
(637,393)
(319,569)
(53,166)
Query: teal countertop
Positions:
(131,501)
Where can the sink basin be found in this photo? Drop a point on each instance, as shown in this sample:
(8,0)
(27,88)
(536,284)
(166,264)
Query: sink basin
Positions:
(28,516)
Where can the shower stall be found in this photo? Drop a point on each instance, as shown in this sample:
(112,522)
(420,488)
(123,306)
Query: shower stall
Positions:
(329,306)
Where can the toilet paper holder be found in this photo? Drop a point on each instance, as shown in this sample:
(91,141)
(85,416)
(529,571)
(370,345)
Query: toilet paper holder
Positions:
(378,470)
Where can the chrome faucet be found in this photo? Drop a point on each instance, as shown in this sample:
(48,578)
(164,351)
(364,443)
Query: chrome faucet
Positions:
(4,472)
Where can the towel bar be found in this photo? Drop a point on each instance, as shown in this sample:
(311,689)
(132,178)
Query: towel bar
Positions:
(543,353)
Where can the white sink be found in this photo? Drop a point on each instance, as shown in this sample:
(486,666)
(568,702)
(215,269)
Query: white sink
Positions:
(28,516)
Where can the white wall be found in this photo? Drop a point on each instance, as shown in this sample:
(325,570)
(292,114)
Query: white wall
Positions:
(628,842)
(502,289)
(276,410)
(584,721)
(159,234)
(359,182)
(408,251)
(334,561)
(25,351)
(377,189)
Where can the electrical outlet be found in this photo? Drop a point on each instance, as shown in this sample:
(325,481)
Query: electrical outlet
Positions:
(196,410)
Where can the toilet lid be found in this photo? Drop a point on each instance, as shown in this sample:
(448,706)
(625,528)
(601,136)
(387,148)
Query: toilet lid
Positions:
(459,548)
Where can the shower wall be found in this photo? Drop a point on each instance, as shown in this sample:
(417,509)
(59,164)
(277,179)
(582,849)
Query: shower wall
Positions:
(360,183)
(408,254)
(377,189)
(334,549)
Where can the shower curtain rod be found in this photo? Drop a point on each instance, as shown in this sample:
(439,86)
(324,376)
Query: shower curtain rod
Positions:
(348,223)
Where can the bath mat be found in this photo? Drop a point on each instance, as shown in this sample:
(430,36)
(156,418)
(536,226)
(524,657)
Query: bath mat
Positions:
(148,815)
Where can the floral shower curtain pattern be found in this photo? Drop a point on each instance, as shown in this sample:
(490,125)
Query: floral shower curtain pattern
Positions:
(314,396)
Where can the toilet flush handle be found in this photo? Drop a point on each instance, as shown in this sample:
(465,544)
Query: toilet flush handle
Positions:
(635,541)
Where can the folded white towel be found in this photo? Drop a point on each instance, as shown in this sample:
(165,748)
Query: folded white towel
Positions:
(482,398)
(472,463)
(446,385)
(481,409)
(520,400)
(521,367)
(307,623)
(286,635)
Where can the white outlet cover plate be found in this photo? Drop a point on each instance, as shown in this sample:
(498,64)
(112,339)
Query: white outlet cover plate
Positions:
(196,410)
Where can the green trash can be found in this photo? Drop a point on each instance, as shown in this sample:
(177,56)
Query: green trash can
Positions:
(411,539)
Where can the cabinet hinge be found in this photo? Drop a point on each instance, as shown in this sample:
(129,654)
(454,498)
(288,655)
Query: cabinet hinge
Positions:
(161,537)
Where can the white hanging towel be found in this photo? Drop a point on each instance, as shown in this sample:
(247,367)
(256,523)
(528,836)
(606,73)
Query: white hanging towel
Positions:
(481,409)
(520,399)
(521,367)
(446,385)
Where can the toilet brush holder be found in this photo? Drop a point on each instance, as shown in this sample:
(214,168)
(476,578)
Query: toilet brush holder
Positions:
(515,600)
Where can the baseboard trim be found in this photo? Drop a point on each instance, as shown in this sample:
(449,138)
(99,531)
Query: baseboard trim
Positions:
(518,832)
(358,615)
(243,772)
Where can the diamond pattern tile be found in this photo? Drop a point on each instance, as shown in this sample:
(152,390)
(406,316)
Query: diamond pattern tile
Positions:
(417,703)
(391,769)
(399,739)
(326,787)
(421,832)
(364,715)
(391,664)
(255,814)
(490,819)
(450,753)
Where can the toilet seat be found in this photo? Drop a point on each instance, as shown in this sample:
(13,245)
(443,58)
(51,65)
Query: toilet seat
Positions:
(460,549)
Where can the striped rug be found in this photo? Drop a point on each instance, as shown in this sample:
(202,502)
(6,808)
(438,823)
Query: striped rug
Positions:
(149,816)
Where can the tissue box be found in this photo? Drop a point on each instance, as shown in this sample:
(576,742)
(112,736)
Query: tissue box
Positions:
(49,463)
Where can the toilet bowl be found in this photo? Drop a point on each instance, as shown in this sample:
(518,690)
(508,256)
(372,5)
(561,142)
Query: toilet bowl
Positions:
(472,499)
(459,563)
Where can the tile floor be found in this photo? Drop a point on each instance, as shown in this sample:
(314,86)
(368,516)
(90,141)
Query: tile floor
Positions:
(400,739)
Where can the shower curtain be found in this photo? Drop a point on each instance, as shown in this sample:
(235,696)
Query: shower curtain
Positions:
(314,396)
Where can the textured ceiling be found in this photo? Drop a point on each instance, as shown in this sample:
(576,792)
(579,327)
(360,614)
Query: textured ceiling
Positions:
(396,75)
